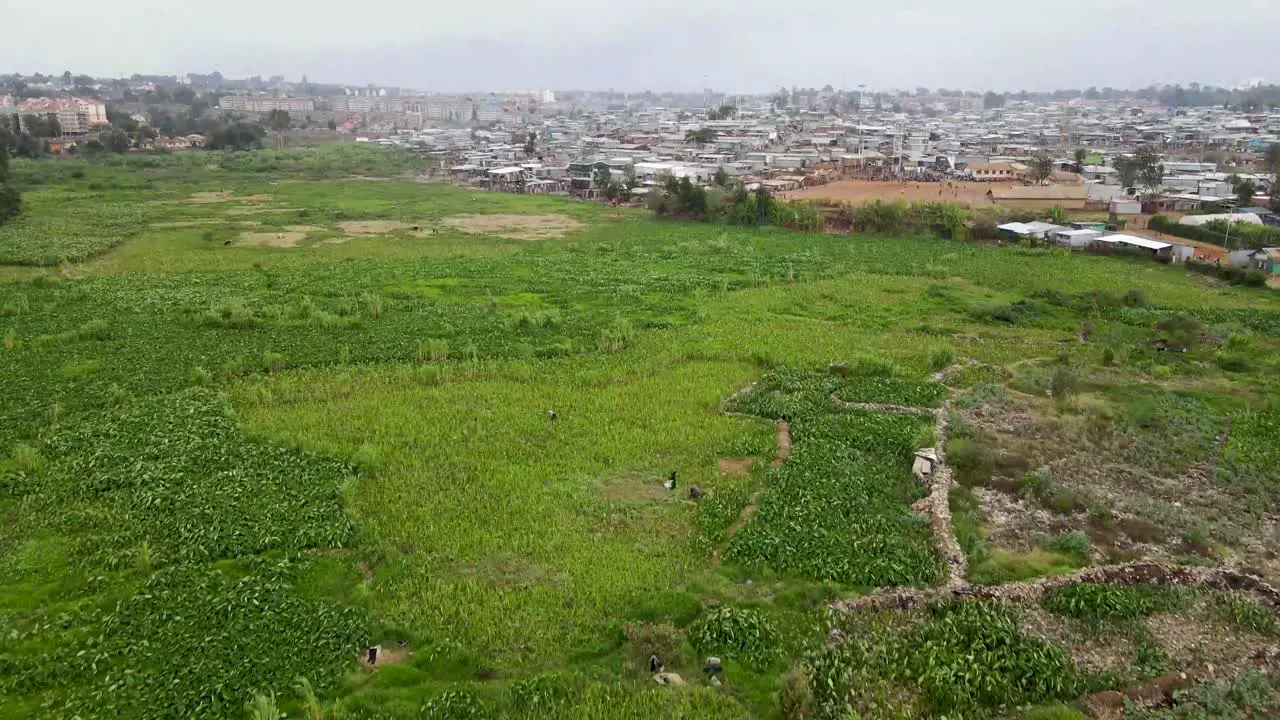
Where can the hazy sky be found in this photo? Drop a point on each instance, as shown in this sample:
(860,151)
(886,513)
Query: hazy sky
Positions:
(732,45)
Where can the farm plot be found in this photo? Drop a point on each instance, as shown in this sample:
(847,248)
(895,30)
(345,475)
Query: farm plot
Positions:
(57,231)
(838,509)
(223,468)
(197,532)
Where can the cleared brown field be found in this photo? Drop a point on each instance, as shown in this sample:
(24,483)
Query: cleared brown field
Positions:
(970,194)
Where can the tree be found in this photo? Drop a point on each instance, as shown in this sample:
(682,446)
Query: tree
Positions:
(1041,167)
(1081,155)
(116,141)
(764,205)
(1182,332)
(531,144)
(992,100)
(1271,160)
(1244,192)
(721,178)
(10,198)
(332,125)
(30,146)
(278,120)
(1150,171)
(10,202)
(724,112)
(42,126)
(701,136)
(1127,171)
(237,136)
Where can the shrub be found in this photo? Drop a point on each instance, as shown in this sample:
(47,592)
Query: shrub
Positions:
(366,460)
(983,394)
(273,361)
(942,356)
(662,639)
(199,376)
(26,459)
(94,330)
(1064,382)
(1135,297)
(1074,544)
(1245,613)
(435,350)
(1182,332)
(973,462)
(796,697)
(1232,362)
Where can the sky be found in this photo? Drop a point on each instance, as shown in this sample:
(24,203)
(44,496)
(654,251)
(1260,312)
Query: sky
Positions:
(736,46)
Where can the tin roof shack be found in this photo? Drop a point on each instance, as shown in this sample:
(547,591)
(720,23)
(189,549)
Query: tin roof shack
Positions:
(1075,238)
(1172,252)
(1031,231)
(1121,206)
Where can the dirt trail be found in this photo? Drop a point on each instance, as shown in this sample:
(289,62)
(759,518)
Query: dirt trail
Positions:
(783,435)
(1129,574)
(784,450)
(880,407)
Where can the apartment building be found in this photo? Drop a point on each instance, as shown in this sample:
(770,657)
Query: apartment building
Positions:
(266,103)
(76,116)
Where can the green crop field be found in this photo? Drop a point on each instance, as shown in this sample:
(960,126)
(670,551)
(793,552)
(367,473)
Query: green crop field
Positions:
(265,410)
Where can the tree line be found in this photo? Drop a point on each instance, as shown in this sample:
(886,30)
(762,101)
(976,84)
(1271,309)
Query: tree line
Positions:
(683,199)
(10,198)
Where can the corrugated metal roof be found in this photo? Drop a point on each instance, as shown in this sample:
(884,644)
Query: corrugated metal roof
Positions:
(1136,241)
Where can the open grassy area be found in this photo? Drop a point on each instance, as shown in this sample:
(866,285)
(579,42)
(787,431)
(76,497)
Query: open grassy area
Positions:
(263,411)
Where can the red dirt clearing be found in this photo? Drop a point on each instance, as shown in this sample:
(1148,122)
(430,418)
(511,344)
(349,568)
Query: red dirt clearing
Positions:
(860,191)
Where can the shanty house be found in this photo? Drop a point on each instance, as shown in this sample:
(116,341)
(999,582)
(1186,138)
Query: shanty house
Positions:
(1033,230)
(1268,260)
(1075,238)
(1157,248)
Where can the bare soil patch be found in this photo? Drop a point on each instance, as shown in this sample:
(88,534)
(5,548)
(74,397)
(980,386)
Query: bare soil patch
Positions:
(187,223)
(386,656)
(271,239)
(257,210)
(1092,654)
(371,227)
(212,198)
(515,227)
(1189,640)
(736,467)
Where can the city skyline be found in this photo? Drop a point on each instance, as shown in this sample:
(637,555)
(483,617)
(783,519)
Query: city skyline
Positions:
(740,47)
